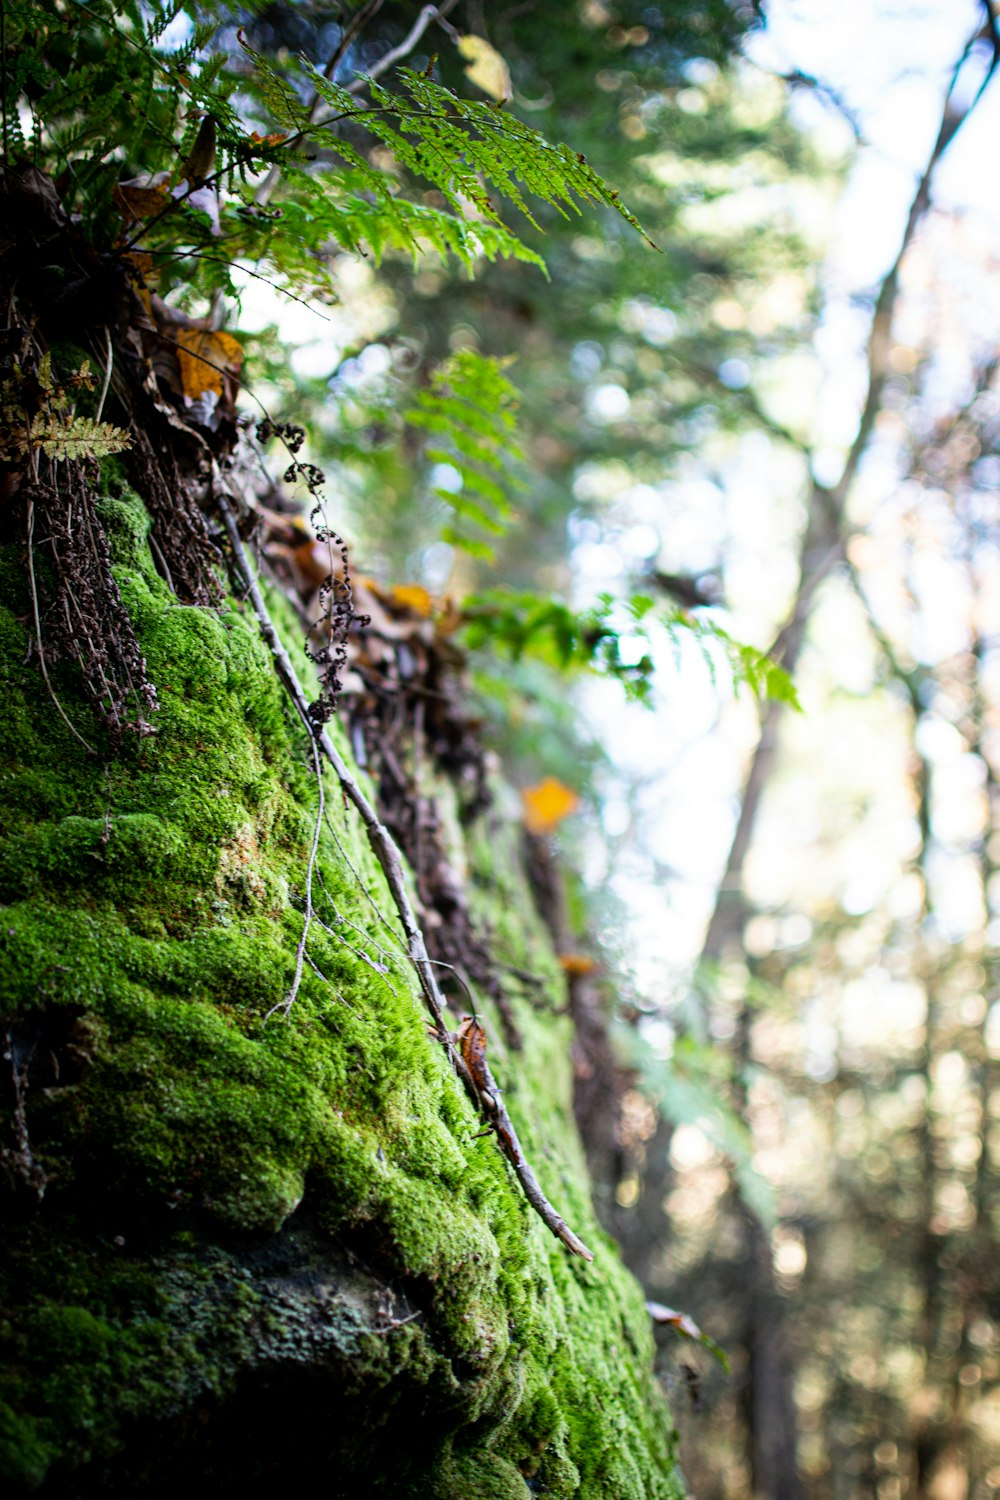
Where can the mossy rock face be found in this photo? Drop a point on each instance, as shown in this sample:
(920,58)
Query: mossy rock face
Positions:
(244,1244)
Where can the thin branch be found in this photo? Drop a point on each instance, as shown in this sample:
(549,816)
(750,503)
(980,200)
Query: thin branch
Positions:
(796,78)
(909,678)
(361,884)
(109,365)
(38,634)
(993,27)
(300,952)
(386,956)
(472,1040)
(428,14)
(237,265)
(357,25)
(263,194)
(359,953)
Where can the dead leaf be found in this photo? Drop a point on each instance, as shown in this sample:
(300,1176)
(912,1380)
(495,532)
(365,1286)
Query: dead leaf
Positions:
(140,266)
(576,964)
(547,804)
(679,1320)
(201,162)
(671,1318)
(486,68)
(144,276)
(206,360)
(140,199)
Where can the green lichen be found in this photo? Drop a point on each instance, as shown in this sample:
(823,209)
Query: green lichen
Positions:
(248,1213)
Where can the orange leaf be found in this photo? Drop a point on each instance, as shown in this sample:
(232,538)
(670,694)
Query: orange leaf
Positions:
(412,596)
(205,359)
(547,804)
(576,964)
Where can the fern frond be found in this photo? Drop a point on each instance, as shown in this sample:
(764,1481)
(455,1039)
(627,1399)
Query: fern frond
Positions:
(592,639)
(470,408)
(363,211)
(748,666)
(463,147)
(278,95)
(76,437)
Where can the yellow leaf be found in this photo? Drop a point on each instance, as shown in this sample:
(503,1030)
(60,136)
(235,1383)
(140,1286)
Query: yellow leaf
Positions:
(574,965)
(206,359)
(486,68)
(547,804)
(412,596)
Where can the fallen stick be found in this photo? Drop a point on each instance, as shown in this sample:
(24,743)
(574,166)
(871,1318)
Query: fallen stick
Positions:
(471,1040)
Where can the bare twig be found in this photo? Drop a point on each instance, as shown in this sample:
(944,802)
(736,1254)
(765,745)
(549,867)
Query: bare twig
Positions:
(300,952)
(428,14)
(109,364)
(263,194)
(362,886)
(238,265)
(39,646)
(993,28)
(384,953)
(357,25)
(472,1041)
(396,54)
(825,535)
(361,954)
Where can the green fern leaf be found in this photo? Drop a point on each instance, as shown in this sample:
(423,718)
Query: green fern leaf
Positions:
(466,147)
(470,410)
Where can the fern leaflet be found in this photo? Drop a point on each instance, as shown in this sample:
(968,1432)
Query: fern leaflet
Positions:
(470,411)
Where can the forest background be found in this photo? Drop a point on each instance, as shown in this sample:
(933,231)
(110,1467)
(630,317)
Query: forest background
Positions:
(729,435)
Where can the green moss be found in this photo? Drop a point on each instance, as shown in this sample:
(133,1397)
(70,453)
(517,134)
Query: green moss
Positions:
(245,1207)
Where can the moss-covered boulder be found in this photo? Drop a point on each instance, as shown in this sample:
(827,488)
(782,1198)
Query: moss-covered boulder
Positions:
(242,1243)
